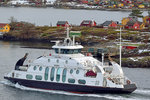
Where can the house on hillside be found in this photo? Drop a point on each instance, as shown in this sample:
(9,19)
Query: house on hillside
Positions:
(135,25)
(146,20)
(125,20)
(110,24)
(62,23)
(4,28)
(89,23)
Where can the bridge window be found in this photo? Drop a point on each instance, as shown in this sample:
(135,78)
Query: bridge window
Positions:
(64,75)
(38,77)
(56,50)
(58,74)
(68,51)
(52,74)
(46,73)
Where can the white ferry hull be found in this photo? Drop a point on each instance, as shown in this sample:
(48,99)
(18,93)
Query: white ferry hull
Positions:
(72,87)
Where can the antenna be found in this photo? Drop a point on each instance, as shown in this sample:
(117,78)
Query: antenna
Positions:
(120,47)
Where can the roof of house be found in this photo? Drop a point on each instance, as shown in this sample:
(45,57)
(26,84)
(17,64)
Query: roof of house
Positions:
(2,24)
(107,23)
(131,23)
(87,22)
(61,22)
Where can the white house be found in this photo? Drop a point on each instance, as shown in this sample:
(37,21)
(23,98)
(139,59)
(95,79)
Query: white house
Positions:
(50,1)
(22,2)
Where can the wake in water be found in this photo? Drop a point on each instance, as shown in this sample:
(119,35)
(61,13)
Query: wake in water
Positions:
(137,95)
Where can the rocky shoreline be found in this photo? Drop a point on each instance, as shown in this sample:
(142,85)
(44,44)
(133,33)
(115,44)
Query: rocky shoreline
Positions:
(92,37)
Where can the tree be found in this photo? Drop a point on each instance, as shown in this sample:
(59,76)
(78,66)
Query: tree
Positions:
(136,13)
(13,23)
(149,13)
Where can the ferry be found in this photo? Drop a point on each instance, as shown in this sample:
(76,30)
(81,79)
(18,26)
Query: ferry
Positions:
(65,68)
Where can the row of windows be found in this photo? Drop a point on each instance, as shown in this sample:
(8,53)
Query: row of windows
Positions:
(70,80)
(68,51)
(2,28)
(40,69)
(58,61)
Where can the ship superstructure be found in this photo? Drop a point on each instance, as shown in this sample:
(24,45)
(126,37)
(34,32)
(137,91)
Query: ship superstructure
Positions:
(67,69)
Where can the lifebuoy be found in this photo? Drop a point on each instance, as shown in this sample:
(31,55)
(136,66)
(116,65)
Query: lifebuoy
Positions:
(128,82)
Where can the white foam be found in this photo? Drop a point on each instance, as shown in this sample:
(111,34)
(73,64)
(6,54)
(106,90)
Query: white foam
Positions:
(143,91)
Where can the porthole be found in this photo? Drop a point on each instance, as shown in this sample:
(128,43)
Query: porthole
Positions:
(77,71)
(34,67)
(40,68)
(66,61)
(70,80)
(57,61)
(38,77)
(49,60)
(28,76)
(81,81)
(71,71)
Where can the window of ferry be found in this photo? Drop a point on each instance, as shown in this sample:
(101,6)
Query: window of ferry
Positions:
(70,80)
(71,71)
(28,76)
(38,77)
(77,71)
(34,67)
(46,73)
(64,75)
(70,51)
(58,74)
(56,50)
(81,81)
(40,68)
(52,74)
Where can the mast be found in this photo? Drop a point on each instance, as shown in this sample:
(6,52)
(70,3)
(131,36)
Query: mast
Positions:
(120,47)
(67,32)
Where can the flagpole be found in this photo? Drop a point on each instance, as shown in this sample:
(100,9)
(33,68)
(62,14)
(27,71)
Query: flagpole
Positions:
(120,47)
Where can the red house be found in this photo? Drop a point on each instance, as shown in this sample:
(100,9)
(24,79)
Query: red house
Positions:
(133,25)
(129,47)
(108,24)
(62,23)
(89,23)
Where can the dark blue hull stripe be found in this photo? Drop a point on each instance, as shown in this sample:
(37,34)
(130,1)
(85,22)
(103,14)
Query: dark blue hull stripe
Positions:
(71,87)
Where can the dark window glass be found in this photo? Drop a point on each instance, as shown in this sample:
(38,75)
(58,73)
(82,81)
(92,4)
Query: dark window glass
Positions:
(40,69)
(56,50)
(34,67)
(38,77)
(46,73)
(52,74)
(77,71)
(81,81)
(58,74)
(71,71)
(28,76)
(70,80)
(64,75)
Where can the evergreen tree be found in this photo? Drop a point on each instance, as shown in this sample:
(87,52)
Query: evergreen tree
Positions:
(136,13)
